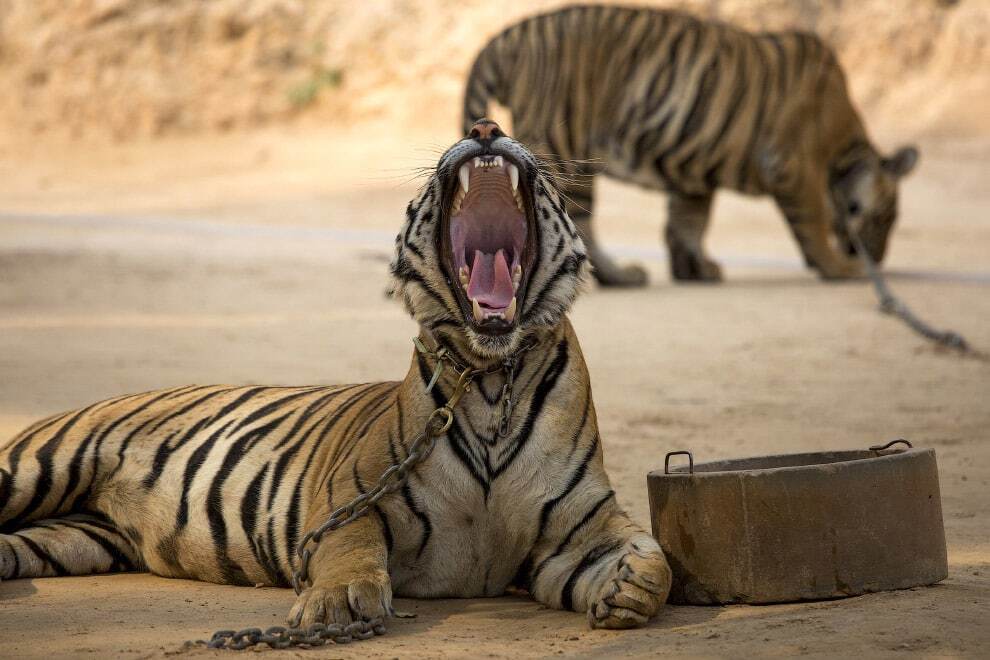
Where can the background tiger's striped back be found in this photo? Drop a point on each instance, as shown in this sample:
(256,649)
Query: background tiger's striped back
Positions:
(664,100)
(654,93)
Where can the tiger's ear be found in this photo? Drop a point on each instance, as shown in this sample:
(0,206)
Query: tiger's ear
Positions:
(901,163)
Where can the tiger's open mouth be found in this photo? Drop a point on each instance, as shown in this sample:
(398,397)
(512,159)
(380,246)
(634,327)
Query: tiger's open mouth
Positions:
(487,240)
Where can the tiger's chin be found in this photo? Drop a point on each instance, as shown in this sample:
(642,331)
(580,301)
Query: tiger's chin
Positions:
(494,346)
(487,247)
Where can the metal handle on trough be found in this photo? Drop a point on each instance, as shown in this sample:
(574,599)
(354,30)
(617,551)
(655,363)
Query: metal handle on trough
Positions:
(666,460)
(891,444)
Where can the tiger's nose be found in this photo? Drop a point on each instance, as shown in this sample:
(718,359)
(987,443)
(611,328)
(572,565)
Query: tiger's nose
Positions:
(485,129)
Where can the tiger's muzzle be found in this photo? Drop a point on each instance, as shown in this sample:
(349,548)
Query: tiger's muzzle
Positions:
(488,231)
(874,233)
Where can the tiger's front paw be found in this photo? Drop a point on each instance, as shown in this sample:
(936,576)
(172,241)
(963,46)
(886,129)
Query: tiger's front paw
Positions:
(636,592)
(360,599)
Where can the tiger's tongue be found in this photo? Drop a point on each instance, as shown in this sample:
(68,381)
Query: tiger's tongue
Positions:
(491,284)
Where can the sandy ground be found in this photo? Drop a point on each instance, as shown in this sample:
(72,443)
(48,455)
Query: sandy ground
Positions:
(261,258)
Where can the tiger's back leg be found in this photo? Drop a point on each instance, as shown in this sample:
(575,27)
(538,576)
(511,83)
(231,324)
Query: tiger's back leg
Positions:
(579,199)
(46,477)
(76,544)
(55,466)
(43,470)
(687,220)
(54,471)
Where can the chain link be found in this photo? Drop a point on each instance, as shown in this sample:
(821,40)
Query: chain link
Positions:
(391,480)
(279,637)
(505,414)
(437,424)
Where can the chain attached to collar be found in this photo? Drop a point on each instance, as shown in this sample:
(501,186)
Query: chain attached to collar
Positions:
(505,415)
(508,366)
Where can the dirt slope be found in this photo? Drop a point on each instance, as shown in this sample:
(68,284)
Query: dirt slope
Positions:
(134,68)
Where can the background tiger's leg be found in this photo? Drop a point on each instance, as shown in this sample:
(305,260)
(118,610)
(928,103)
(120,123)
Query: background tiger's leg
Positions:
(76,544)
(579,196)
(687,220)
(809,215)
(616,572)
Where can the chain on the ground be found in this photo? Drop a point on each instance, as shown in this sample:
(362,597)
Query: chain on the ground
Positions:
(890,304)
(279,637)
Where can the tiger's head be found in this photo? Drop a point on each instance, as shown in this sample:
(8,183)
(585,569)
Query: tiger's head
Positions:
(487,249)
(864,193)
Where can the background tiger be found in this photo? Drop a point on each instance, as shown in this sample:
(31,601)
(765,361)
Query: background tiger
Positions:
(667,101)
(219,483)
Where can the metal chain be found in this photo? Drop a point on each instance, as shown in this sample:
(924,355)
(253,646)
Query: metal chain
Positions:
(505,414)
(437,424)
(507,366)
(890,304)
(279,637)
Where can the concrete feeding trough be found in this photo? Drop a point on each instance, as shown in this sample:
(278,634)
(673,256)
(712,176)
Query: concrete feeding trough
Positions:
(800,526)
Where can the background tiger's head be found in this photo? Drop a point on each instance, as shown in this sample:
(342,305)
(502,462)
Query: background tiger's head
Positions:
(864,192)
(487,247)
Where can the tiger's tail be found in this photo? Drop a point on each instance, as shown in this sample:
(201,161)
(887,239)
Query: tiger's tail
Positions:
(484,83)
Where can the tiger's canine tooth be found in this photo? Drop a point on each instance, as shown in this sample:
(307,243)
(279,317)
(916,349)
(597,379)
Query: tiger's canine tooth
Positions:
(510,311)
(476,309)
(513,175)
(464,275)
(519,203)
(464,174)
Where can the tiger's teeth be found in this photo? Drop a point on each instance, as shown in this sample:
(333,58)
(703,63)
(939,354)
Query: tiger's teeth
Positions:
(477,161)
(516,276)
(519,203)
(476,308)
(465,275)
(464,174)
(499,161)
(510,312)
(513,176)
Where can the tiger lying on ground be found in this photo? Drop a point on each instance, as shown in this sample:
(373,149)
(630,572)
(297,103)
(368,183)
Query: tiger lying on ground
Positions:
(669,102)
(219,483)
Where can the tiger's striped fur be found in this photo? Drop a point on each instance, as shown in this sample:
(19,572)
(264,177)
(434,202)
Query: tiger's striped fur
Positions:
(219,483)
(670,102)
